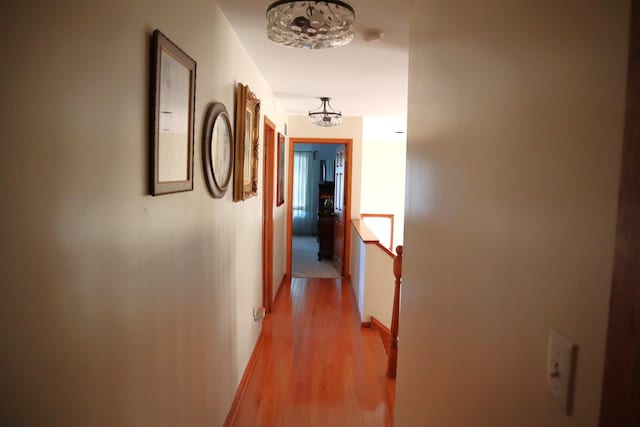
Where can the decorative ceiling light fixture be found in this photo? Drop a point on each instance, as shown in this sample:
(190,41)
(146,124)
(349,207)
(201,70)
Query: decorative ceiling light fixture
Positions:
(325,115)
(310,24)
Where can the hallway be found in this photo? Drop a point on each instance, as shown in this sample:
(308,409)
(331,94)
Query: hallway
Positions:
(317,366)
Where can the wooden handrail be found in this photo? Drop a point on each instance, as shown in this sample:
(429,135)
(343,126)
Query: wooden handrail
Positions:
(393,345)
(390,217)
(368,237)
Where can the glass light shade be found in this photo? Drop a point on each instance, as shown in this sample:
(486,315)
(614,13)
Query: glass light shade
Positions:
(325,116)
(310,24)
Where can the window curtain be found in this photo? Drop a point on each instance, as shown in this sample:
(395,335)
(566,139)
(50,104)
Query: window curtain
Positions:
(304,193)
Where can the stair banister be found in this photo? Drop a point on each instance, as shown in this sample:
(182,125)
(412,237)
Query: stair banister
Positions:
(393,345)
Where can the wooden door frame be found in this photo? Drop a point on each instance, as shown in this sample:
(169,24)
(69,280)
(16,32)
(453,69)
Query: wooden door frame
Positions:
(348,148)
(621,386)
(268,185)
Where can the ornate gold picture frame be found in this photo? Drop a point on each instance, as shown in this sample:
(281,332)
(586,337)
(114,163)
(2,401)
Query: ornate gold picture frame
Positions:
(247,121)
(280,183)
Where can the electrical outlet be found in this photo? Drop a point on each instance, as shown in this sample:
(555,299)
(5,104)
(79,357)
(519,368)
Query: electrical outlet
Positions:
(561,357)
(258,313)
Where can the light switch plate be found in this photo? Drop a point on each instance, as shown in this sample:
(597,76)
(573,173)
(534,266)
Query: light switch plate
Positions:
(561,357)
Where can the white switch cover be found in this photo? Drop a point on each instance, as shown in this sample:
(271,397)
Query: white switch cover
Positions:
(560,369)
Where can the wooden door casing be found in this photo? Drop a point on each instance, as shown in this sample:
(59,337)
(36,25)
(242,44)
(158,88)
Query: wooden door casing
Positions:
(348,148)
(268,185)
(338,209)
(621,385)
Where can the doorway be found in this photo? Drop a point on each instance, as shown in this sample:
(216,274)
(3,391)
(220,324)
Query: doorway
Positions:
(318,226)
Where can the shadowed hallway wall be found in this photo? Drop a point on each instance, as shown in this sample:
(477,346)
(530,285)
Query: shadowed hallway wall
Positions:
(516,113)
(118,308)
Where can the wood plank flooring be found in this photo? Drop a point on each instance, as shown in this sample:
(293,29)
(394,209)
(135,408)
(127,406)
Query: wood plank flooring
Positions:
(317,366)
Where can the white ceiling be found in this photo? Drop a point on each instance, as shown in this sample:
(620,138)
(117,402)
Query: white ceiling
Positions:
(362,78)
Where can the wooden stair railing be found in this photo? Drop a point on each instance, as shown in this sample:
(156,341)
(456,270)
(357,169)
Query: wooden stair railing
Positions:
(393,345)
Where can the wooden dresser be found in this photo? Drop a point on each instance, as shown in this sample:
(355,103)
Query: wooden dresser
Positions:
(326,219)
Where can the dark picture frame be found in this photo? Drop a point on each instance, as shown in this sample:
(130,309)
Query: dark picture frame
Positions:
(247,130)
(280,171)
(217,149)
(173,96)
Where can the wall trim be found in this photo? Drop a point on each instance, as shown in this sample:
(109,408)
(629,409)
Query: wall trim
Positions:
(348,145)
(253,360)
(283,281)
(385,333)
(620,401)
(242,387)
(268,190)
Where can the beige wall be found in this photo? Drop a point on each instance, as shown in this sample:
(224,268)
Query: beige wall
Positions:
(372,276)
(514,144)
(358,269)
(384,171)
(379,281)
(280,233)
(300,127)
(118,308)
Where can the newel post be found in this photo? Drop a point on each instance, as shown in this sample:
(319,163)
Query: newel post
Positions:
(393,345)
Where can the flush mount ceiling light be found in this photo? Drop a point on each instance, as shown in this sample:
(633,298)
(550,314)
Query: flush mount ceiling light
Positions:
(324,115)
(310,24)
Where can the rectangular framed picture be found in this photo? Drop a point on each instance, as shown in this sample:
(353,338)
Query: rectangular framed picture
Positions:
(245,179)
(280,172)
(173,95)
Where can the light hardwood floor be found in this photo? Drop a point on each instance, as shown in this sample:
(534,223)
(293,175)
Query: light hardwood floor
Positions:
(317,366)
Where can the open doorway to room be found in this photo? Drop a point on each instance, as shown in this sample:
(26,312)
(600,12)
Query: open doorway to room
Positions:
(317,226)
(313,210)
